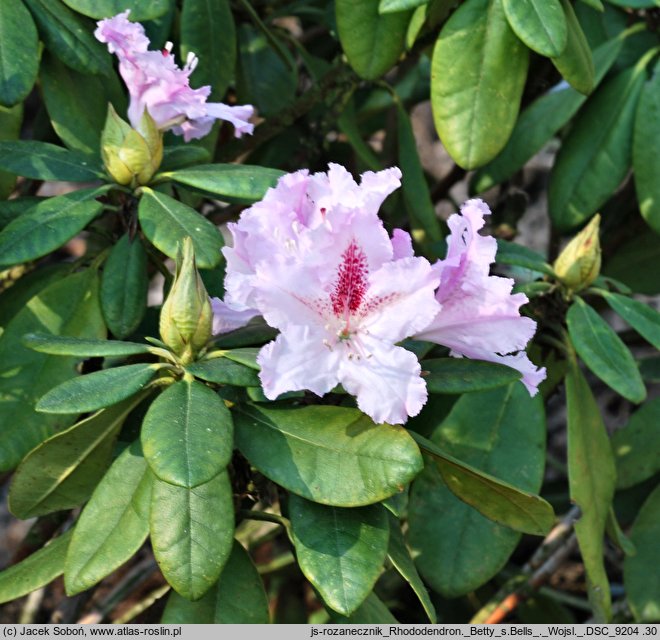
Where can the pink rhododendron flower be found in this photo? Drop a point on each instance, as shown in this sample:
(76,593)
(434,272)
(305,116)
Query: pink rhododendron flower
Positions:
(315,260)
(157,84)
(480,318)
(226,318)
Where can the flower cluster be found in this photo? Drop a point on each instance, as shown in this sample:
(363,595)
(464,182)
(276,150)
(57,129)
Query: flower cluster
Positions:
(157,84)
(314,259)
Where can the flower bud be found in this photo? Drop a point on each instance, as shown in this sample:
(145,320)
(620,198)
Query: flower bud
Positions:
(578,265)
(131,156)
(186,318)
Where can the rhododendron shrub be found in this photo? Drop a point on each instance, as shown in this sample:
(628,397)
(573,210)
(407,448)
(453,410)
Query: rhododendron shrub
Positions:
(271,350)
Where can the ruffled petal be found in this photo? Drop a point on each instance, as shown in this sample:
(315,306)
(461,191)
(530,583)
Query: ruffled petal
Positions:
(386,381)
(402,244)
(296,361)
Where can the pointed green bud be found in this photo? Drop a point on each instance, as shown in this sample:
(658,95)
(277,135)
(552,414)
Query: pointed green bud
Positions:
(131,156)
(186,319)
(578,265)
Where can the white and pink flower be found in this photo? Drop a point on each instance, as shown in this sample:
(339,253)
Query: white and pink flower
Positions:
(157,84)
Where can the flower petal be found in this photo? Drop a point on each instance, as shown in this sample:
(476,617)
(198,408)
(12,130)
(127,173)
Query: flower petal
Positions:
(226,318)
(402,244)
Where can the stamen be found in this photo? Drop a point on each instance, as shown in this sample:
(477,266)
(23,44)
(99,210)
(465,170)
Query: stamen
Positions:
(351,283)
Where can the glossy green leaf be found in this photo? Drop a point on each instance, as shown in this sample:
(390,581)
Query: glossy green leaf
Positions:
(331,455)
(107,8)
(180,156)
(254,333)
(540,121)
(416,192)
(246,356)
(637,446)
(400,557)
(124,286)
(371,611)
(166,222)
(650,368)
(224,371)
(19,52)
(477,78)
(44,161)
(67,307)
(35,571)
(392,6)
(460,375)
(113,525)
(642,582)
(596,155)
(603,351)
(635,4)
(645,159)
(48,225)
(192,533)
(521,256)
(235,182)
(207,29)
(499,501)
(237,598)
(540,24)
(635,263)
(77,103)
(11,120)
(591,478)
(616,535)
(61,472)
(594,4)
(576,63)
(643,318)
(70,37)
(500,432)
(372,42)
(65,346)
(187,435)
(340,551)
(12,209)
(97,390)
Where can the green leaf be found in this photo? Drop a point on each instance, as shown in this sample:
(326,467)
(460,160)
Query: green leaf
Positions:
(520,256)
(61,472)
(77,104)
(499,432)
(576,63)
(12,209)
(372,42)
(35,571)
(477,78)
(107,8)
(70,37)
(499,501)
(416,192)
(180,156)
(192,533)
(124,286)
(540,24)
(340,551)
(65,346)
(113,525)
(644,319)
(207,29)
(67,307)
(245,336)
(234,182)
(400,557)
(166,222)
(10,129)
(645,159)
(392,6)
(187,435)
(539,122)
(596,155)
(616,535)
(224,371)
(48,225)
(637,446)
(594,4)
(460,375)
(237,598)
(635,4)
(19,52)
(650,369)
(246,356)
(642,582)
(331,455)
(634,263)
(371,611)
(603,351)
(591,478)
(44,161)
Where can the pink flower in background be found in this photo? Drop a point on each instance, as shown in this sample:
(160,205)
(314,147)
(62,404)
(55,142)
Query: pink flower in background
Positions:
(480,318)
(157,84)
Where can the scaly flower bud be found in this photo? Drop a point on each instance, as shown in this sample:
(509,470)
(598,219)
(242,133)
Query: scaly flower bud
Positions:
(131,156)
(186,318)
(578,265)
